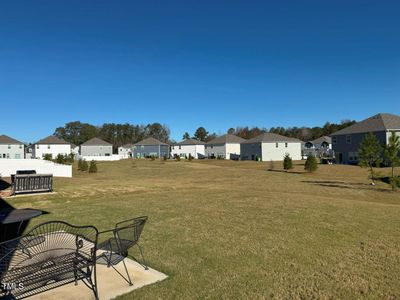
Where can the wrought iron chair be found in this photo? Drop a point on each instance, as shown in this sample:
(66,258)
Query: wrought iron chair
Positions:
(115,244)
(50,255)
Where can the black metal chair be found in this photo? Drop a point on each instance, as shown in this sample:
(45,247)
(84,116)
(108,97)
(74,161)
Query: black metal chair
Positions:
(115,244)
(50,255)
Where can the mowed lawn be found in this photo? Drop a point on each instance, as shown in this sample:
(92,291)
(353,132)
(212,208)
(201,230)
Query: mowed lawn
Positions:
(226,229)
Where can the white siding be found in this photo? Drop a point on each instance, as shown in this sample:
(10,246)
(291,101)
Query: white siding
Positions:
(11,166)
(271,152)
(40,150)
(184,150)
(11,151)
(232,151)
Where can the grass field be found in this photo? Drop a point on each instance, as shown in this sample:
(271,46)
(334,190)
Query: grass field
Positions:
(225,229)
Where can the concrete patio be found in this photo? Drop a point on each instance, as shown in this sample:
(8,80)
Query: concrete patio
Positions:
(110,284)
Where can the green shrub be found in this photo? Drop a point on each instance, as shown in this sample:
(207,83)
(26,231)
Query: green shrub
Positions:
(287,162)
(165,157)
(84,165)
(311,164)
(60,159)
(152,157)
(190,157)
(48,156)
(178,158)
(93,167)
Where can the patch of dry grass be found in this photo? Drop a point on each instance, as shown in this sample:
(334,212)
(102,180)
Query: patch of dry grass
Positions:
(224,229)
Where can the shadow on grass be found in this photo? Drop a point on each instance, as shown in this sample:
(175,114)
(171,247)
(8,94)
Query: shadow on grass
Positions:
(283,171)
(345,185)
(4,185)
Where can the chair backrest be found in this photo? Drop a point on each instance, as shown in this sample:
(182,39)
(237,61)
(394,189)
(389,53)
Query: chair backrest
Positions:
(47,240)
(128,232)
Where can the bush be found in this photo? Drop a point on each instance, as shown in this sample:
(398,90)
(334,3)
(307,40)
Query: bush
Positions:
(60,159)
(70,158)
(178,158)
(287,162)
(165,157)
(152,157)
(82,165)
(93,167)
(190,157)
(311,164)
(48,156)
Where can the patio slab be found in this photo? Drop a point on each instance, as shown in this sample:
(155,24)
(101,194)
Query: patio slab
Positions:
(110,284)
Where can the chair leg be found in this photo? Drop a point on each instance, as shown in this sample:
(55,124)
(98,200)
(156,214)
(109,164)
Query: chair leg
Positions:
(144,265)
(127,273)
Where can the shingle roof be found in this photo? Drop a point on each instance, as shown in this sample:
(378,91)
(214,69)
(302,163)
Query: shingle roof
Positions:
(322,139)
(226,139)
(96,142)
(52,140)
(190,142)
(5,139)
(150,142)
(379,122)
(127,146)
(269,137)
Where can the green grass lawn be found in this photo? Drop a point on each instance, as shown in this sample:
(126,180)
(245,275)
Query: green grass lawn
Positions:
(225,229)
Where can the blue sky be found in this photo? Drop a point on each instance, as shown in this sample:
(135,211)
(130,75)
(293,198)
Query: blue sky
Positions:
(216,64)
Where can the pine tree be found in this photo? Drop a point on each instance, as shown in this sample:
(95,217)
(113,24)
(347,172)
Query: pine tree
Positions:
(392,157)
(186,136)
(84,165)
(369,154)
(93,167)
(287,162)
(311,164)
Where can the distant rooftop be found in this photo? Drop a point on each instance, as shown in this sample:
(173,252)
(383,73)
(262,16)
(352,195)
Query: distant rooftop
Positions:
(5,139)
(226,139)
(52,140)
(269,137)
(96,142)
(150,142)
(190,142)
(379,122)
(322,139)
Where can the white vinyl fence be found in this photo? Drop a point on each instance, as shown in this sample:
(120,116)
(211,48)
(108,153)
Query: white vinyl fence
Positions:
(113,157)
(11,166)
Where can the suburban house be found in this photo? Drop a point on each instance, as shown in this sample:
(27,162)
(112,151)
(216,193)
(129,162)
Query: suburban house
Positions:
(346,142)
(321,146)
(270,146)
(191,147)
(125,151)
(150,147)
(11,148)
(96,147)
(226,147)
(51,145)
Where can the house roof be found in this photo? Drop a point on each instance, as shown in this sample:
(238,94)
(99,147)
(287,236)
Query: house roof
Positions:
(190,142)
(150,142)
(269,137)
(322,139)
(5,139)
(52,140)
(379,122)
(127,146)
(226,139)
(96,142)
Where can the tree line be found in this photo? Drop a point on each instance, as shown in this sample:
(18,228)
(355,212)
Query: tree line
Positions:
(121,134)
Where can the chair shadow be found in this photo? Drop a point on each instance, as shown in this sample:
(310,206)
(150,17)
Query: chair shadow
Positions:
(4,185)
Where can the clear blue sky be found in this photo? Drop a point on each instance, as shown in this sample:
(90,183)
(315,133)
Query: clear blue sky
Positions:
(216,64)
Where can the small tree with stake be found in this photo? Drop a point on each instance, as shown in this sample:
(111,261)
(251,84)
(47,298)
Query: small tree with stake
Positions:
(287,162)
(84,165)
(392,157)
(93,167)
(311,164)
(369,154)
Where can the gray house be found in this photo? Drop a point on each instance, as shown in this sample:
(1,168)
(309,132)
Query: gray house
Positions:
(150,147)
(96,147)
(226,146)
(346,142)
(321,146)
(270,146)
(11,148)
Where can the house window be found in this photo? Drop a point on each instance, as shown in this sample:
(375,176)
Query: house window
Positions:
(48,146)
(353,156)
(9,146)
(276,145)
(334,140)
(17,156)
(20,146)
(8,155)
(286,145)
(348,139)
(179,147)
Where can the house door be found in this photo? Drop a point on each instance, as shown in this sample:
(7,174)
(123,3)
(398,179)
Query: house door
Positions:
(339,158)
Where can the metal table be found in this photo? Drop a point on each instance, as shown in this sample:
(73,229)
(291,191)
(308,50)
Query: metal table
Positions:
(10,216)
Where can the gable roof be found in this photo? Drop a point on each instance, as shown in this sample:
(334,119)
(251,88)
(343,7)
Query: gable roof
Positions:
(379,122)
(5,139)
(269,137)
(126,146)
(150,142)
(322,139)
(190,142)
(226,139)
(96,142)
(53,140)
